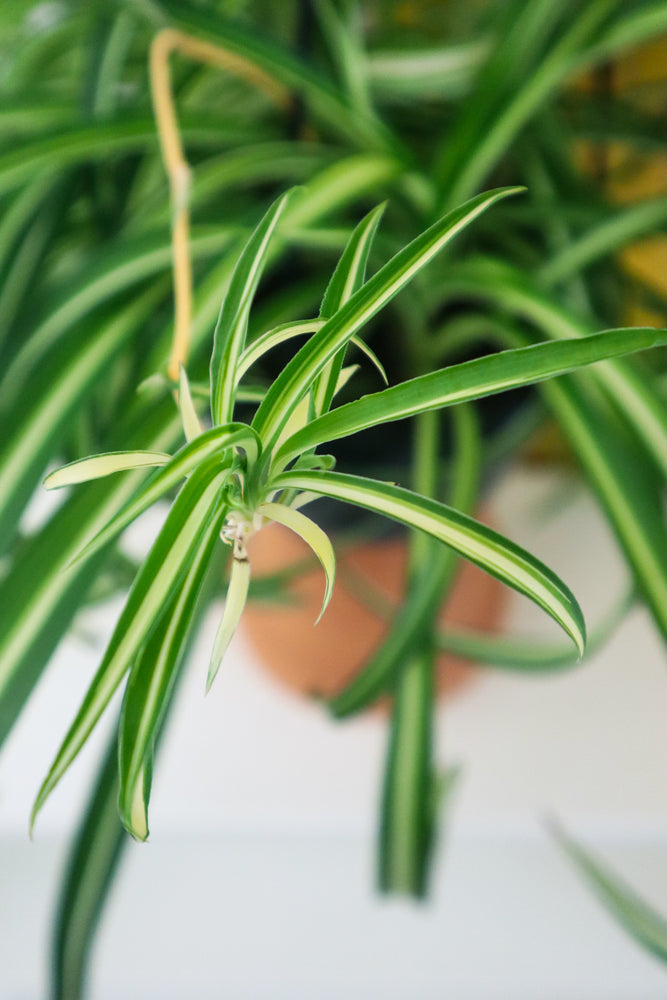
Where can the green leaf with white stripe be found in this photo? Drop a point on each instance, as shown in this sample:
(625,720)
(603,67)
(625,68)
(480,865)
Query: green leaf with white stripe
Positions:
(470,380)
(634,914)
(347,279)
(273,338)
(481,545)
(632,502)
(409,623)
(295,380)
(524,655)
(216,441)
(613,233)
(321,97)
(100,141)
(232,325)
(98,466)
(632,393)
(192,426)
(281,334)
(237,593)
(312,535)
(88,877)
(161,573)
(41,593)
(114,271)
(150,684)
(32,434)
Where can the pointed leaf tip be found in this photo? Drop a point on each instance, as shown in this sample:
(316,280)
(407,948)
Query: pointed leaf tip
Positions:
(237,593)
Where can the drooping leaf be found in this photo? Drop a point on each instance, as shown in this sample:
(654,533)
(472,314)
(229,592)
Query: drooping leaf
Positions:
(312,535)
(415,617)
(150,684)
(41,592)
(237,593)
(634,914)
(98,466)
(529,656)
(220,440)
(89,874)
(481,545)
(407,808)
(161,573)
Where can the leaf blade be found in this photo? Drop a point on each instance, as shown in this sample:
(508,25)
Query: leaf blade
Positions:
(165,564)
(150,684)
(216,440)
(481,545)
(230,331)
(469,380)
(634,914)
(313,536)
(97,466)
(237,593)
(298,375)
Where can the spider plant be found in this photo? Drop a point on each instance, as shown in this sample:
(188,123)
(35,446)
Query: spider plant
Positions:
(343,99)
(242,475)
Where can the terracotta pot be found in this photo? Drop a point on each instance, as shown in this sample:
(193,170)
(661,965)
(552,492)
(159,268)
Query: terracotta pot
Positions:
(321,660)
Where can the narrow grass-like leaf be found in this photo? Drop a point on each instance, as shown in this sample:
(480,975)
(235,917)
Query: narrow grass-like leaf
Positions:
(220,440)
(40,594)
(347,51)
(634,914)
(525,655)
(97,466)
(99,141)
(633,395)
(295,380)
(410,621)
(192,426)
(630,28)
(404,74)
(115,271)
(481,545)
(272,338)
(150,684)
(617,231)
(285,332)
(629,491)
(89,874)
(32,433)
(160,575)
(237,593)
(415,617)
(347,279)
(232,325)
(469,380)
(320,96)
(312,535)
(407,808)
(477,146)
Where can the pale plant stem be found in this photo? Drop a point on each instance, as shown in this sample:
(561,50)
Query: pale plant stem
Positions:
(165,42)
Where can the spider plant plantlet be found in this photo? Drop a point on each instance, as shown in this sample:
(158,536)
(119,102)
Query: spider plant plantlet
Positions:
(235,477)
